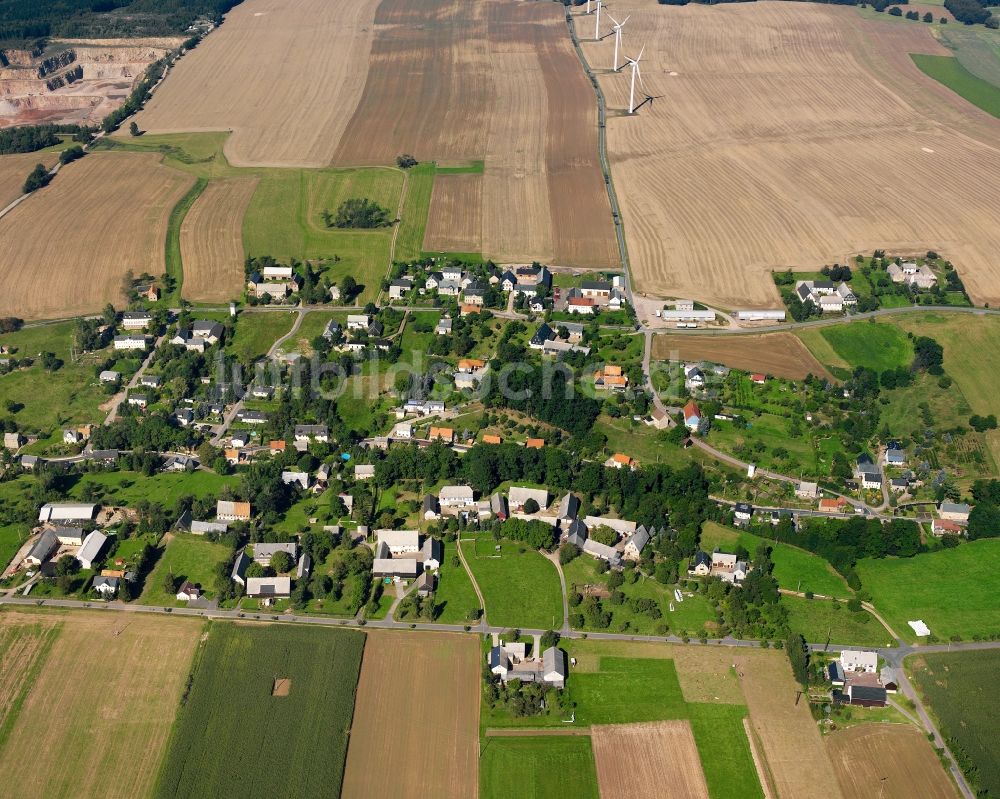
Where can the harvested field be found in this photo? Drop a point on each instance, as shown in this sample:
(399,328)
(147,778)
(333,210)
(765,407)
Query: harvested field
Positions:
(416,737)
(838,146)
(661,753)
(64,251)
(15,168)
(777,354)
(212,240)
(272,62)
(105,730)
(24,644)
(894,760)
(455,218)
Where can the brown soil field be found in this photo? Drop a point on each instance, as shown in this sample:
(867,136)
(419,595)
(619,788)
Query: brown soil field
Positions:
(284,77)
(15,168)
(498,82)
(866,754)
(64,251)
(661,753)
(97,719)
(23,643)
(838,145)
(212,240)
(417,736)
(776,354)
(455,218)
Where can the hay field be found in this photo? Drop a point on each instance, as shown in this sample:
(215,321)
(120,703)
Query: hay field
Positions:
(835,147)
(97,718)
(777,354)
(24,644)
(866,754)
(283,76)
(417,736)
(212,240)
(498,82)
(455,218)
(15,168)
(64,251)
(659,754)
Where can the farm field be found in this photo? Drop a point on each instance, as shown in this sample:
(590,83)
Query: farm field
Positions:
(826,93)
(953,74)
(521,589)
(661,753)
(102,216)
(817,620)
(427,724)
(540,766)
(24,644)
(892,759)
(777,354)
(233,693)
(260,69)
(875,345)
(952,590)
(14,168)
(455,219)
(211,240)
(128,679)
(958,688)
(190,558)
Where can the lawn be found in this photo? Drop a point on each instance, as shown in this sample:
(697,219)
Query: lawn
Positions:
(256,333)
(871,344)
(960,688)
(949,71)
(454,589)
(794,568)
(233,731)
(413,219)
(521,589)
(818,622)
(189,558)
(540,767)
(954,591)
(127,488)
(414,341)
(11,538)
(640,441)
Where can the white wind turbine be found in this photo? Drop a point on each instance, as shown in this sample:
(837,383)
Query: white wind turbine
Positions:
(618,36)
(634,62)
(588,6)
(597,23)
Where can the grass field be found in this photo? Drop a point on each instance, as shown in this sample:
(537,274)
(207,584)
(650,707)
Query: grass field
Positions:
(416,205)
(521,589)
(104,731)
(818,622)
(956,77)
(189,558)
(218,739)
(256,333)
(875,345)
(794,568)
(540,767)
(959,688)
(11,538)
(454,590)
(128,488)
(953,590)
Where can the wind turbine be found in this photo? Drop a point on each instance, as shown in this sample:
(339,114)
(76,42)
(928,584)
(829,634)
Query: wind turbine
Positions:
(618,36)
(634,62)
(588,6)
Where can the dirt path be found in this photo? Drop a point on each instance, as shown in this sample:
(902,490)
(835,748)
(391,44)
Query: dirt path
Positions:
(472,578)
(554,558)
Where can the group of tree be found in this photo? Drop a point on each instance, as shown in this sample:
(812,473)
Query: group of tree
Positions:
(30,138)
(972,12)
(38,178)
(984,519)
(359,213)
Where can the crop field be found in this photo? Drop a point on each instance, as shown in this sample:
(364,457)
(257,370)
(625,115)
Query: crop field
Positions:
(188,558)
(418,736)
(105,730)
(521,589)
(272,62)
(712,192)
(952,590)
(540,767)
(660,754)
(212,240)
(777,354)
(894,760)
(219,739)
(24,644)
(14,169)
(959,689)
(455,219)
(955,76)
(101,217)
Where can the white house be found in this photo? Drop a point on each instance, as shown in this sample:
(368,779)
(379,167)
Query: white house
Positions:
(269,587)
(954,511)
(399,542)
(519,495)
(136,320)
(131,342)
(858,660)
(90,549)
(292,478)
(312,432)
(229,511)
(107,587)
(806,490)
(358,321)
(456,497)
(263,552)
(364,471)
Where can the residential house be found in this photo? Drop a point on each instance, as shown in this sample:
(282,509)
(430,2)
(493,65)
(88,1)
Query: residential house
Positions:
(441,434)
(268,587)
(836,505)
(13,441)
(895,457)
(692,416)
(444,326)
(136,320)
(743,512)
(358,321)
(701,566)
(569,508)
(109,376)
(620,461)
(728,568)
(940,527)
(91,548)
(806,490)
(263,552)
(467,308)
(581,305)
(474,294)
(312,432)
(456,497)
(431,507)
(858,660)
(469,365)
(575,330)
(210,332)
(499,507)
(107,587)
(364,471)
(400,288)
(296,478)
(535,443)
(138,400)
(518,496)
(954,511)
(597,290)
(184,416)
(229,511)
(634,544)
(131,342)
(425,584)
(332,330)
(189,591)
(757,378)
(432,553)
(489,438)
(610,378)
(151,381)
(899,484)
(542,335)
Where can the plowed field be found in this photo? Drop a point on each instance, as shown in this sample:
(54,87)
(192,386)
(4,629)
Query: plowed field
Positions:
(777,354)
(661,753)
(455,219)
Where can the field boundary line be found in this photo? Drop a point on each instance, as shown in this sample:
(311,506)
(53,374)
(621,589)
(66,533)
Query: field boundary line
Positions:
(759,761)
(534,732)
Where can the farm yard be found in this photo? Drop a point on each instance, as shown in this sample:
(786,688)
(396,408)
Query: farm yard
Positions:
(711,191)
(415,729)
(101,217)
(235,691)
(777,354)
(97,715)
(895,757)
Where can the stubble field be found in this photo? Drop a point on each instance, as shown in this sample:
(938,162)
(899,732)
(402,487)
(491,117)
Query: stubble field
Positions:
(212,240)
(659,754)
(455,218)
(777,354)
(416,719)
(97,716)
(64,251)
(836,146)
(15,168)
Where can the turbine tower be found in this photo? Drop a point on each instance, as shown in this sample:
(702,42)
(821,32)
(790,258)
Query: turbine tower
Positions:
(634,62)
(597,23)
(618,37)
(588,6)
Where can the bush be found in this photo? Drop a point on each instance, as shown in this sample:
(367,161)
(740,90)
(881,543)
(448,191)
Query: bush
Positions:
(71,154)
(38,178)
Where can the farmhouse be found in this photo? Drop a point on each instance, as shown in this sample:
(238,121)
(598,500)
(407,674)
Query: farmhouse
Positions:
(634,545)
(569,508)
(441,434)
(69,536)
(954,511)
(456,497)
(400,288)
(229,511)
(91,549)
(518,496)
(240,564)
(806,490)
(508,661)
(602,551)
(921,277)
(46,544)
(269,587)
(857,660)
(131,342)
(610,378)
(262,552)
(136,320)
